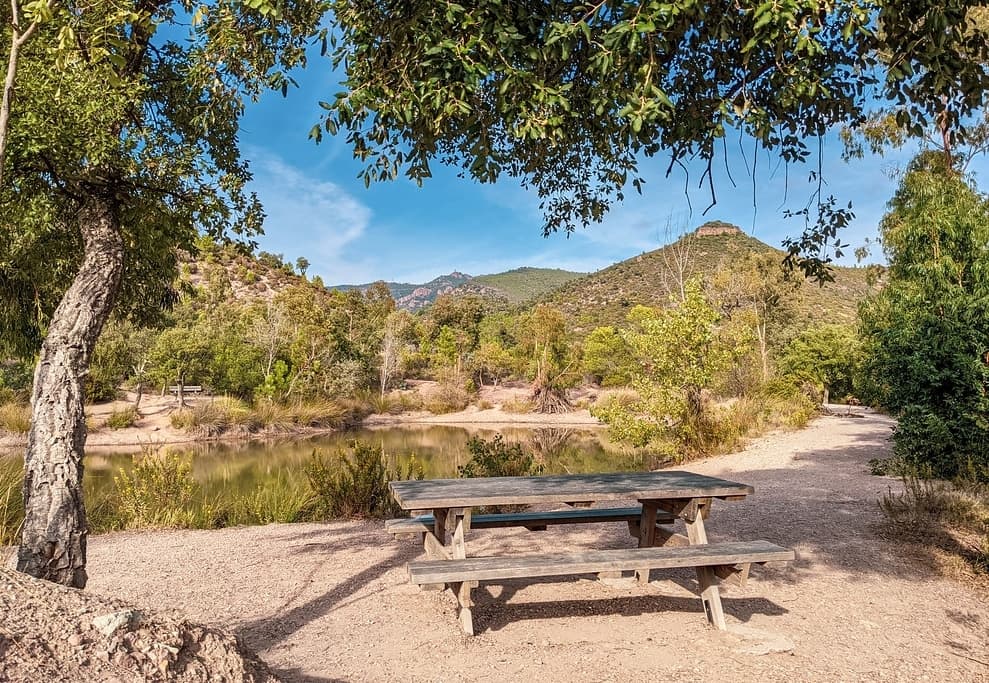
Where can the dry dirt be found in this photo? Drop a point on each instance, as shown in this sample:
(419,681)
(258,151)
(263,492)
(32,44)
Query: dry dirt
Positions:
(48,632)
(332,602)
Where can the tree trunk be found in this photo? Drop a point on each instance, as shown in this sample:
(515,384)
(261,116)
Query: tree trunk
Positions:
(53,542)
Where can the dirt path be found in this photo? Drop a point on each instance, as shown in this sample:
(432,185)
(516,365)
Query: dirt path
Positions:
(332,602)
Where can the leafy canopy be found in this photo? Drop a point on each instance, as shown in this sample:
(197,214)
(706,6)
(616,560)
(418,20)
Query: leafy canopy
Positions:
(572,97)
(138,102)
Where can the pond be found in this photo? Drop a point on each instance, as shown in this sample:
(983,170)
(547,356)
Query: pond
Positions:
(232,469)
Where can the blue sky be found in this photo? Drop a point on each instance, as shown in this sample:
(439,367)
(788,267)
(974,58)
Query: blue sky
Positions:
(319,209)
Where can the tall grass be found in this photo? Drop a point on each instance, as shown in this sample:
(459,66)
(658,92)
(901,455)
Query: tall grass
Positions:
(222,415)
(15,418)
(11,503)
(160,491)
(952,517)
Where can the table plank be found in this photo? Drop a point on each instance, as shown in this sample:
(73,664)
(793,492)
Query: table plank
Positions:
(667,484)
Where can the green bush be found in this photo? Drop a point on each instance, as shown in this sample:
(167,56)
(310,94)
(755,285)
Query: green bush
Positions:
(158,492)
(121,419)
(355,486)
(279,500)
(496,458)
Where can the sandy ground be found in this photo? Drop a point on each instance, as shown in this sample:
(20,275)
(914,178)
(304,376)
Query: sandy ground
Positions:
(496,415)
(332,602)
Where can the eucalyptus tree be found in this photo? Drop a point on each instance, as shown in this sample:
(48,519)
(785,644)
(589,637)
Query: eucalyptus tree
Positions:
(926,332)
(573,97)
(122,146)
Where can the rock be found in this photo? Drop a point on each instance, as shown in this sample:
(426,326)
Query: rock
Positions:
(108,624)
(76,639)
(761,642)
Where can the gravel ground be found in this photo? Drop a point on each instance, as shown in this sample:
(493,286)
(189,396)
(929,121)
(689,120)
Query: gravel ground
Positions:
(332,602)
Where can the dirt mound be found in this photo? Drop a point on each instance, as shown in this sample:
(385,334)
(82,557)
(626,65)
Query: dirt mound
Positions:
(56,633)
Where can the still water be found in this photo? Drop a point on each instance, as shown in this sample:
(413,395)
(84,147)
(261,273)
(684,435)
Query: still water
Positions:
(439,450)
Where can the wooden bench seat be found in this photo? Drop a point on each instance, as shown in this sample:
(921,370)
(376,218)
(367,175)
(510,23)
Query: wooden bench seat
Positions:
(534,521)
(713,561)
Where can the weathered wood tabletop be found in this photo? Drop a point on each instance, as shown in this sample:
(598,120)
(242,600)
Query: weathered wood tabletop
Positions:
(663,485)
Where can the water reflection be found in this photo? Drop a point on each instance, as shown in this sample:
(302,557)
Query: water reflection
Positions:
(241,467)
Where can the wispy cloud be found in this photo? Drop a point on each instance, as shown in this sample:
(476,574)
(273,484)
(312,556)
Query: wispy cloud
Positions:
(308,216)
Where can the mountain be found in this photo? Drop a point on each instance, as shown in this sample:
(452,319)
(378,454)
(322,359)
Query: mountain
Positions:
(526,284)
(397,289)
(415,297)
(606,296)
(514,286)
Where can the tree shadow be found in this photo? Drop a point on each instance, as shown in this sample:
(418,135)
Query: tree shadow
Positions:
(265,632)
(494,613)
(296,675)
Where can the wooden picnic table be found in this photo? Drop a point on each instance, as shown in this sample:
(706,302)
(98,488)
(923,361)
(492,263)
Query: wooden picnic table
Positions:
(664,497)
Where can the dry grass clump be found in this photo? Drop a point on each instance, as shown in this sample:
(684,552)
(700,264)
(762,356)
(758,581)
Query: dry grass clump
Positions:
(950,519)
(519,406)
(449,397)
(11,504)
(394,403)
(15,418)
(221,415)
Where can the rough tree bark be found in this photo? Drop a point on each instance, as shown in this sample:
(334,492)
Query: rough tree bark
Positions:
(53,542)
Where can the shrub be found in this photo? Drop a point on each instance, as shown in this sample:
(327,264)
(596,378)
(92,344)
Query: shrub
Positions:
(182,419)
(158,491)
(394,403)
(355,486)
(449,397)
(518,405)
(495,458)
(280,500)
(15,418)
(120,419)
(951,517)
(325,414)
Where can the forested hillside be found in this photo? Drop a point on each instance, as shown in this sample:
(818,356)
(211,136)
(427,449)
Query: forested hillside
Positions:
(606,297)
(514,286)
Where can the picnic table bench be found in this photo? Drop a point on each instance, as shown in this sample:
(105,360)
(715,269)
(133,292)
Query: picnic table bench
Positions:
(664,497)
(186,389)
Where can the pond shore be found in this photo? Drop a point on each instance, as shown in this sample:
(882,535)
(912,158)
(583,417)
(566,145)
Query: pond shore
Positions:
(154,427)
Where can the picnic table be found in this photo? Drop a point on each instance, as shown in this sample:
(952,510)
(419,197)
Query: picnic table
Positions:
(664,497)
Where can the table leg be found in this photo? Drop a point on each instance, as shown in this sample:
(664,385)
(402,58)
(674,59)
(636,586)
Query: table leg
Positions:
(706,578)
(647,534)
(435,544)
(462,589)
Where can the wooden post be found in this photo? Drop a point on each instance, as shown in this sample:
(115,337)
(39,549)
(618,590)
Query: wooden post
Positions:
(647,534)
(435,544)
(710,595)
(464,602)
